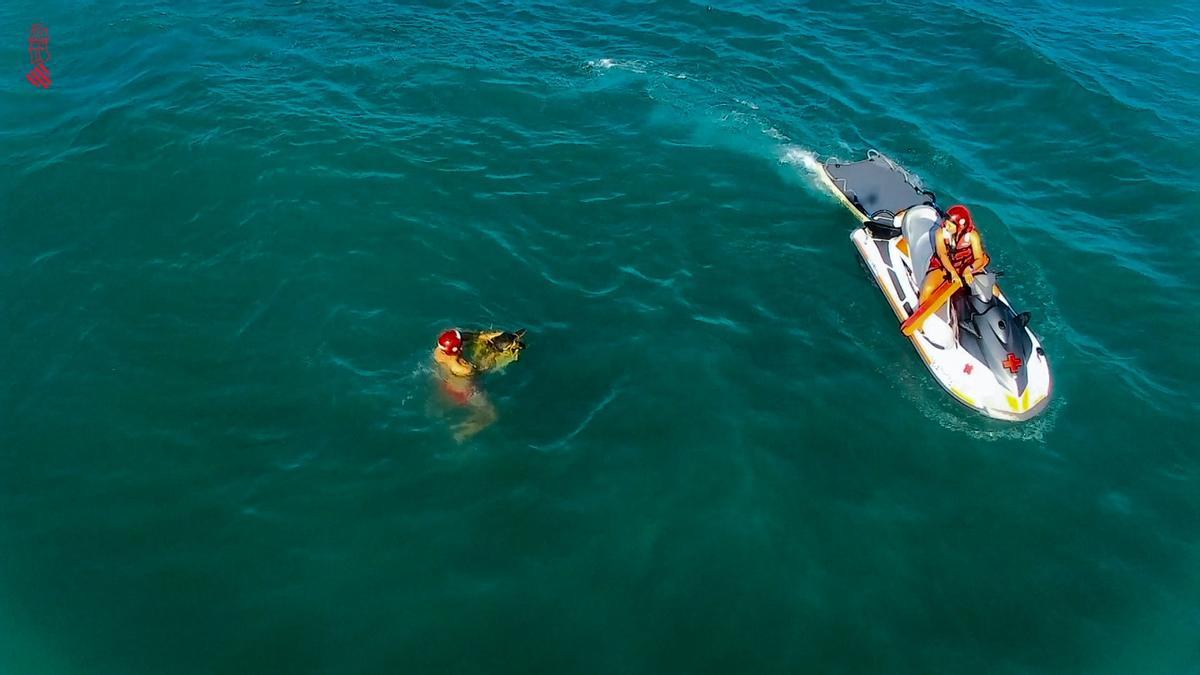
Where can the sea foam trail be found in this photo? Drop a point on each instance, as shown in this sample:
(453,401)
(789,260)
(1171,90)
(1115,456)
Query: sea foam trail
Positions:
(730,113)
(805,159)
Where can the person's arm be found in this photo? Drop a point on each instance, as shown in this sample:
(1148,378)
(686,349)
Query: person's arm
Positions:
(456,365)
(978,258)
(461,367)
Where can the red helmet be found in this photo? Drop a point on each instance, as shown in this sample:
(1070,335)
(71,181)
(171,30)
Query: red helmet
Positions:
(450,342)
(961,216)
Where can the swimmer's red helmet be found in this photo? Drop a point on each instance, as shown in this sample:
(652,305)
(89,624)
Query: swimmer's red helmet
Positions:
(450,342)
(961,216)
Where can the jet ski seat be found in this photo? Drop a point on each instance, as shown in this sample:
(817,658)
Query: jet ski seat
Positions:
(916,226)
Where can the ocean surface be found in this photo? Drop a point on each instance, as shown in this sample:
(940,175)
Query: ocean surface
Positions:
(230,233)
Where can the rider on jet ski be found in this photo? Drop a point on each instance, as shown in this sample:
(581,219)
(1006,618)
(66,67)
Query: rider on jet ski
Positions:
(959,252)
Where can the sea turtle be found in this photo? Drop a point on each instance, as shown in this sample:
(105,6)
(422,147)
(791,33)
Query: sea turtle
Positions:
(492,349)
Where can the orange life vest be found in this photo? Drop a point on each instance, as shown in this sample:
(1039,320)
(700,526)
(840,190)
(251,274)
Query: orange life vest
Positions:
(960,251)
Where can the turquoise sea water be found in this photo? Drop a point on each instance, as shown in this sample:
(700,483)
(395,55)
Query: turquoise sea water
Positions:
(230,232)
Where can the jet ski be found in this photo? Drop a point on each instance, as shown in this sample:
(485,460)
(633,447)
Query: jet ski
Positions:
(976,346)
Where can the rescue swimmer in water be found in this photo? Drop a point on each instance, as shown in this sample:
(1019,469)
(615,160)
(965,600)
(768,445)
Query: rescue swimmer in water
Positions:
(461,356)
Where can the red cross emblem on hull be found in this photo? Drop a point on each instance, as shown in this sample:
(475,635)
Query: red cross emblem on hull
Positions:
(1013,363)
